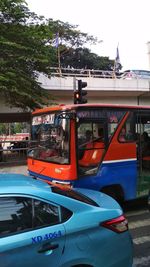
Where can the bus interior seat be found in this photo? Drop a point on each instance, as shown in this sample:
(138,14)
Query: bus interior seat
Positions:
(92,155)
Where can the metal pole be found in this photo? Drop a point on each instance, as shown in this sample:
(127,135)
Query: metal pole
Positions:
(74,84)
(58,55)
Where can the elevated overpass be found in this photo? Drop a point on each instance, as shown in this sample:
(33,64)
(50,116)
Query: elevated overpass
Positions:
(102,86)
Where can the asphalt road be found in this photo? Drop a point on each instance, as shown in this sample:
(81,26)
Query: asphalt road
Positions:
(139,225)
(14,169)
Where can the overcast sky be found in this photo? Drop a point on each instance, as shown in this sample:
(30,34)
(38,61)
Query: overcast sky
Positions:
(126,22)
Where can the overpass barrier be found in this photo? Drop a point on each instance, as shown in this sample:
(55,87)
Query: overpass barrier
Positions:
(97,80)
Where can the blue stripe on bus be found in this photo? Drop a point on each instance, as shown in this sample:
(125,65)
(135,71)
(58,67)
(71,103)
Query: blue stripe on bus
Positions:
(43,177)
(123,173)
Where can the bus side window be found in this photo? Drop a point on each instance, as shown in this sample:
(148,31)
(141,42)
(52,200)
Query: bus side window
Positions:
(127,133)
(122,135)
(126,136)
(145,144)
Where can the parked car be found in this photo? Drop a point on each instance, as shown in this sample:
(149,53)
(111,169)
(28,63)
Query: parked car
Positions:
(136,74)
(43,225)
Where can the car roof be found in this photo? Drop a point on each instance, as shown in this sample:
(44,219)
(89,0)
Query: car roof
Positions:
(19,183)
(26,185)
(146,71)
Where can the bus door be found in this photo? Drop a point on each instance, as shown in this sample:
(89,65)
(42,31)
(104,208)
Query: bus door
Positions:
(92,139)
(120,161)
(143,151)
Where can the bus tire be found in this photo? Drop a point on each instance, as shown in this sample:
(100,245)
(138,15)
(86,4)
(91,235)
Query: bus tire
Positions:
(115,191)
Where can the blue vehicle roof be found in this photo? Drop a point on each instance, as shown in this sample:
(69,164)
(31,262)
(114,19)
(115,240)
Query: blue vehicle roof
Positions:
(19,183)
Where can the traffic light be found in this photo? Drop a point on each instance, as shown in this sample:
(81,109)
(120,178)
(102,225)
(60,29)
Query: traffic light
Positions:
(79,94)
(82,92)
(77,97)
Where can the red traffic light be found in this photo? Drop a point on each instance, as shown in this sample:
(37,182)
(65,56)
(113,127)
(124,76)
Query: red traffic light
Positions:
(76,97)
(79,94)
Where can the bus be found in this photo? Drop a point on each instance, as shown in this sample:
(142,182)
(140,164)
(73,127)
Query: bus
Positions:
(102,147)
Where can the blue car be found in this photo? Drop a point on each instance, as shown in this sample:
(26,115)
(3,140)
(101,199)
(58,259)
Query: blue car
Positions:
(43,225)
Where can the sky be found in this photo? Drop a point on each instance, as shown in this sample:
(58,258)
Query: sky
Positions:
(122,23)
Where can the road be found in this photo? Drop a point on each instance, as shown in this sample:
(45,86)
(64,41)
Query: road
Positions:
(14,169)
(139,225)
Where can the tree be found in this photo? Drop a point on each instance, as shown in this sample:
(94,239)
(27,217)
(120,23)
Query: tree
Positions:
(22,55)
(83,58)
(2,128)
(26,49)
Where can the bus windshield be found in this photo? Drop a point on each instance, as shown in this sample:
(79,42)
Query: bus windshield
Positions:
(50,135)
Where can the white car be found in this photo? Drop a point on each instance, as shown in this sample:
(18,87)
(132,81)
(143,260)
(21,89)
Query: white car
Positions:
(135,74)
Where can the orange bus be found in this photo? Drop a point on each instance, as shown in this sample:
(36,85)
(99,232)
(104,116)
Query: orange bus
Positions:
(98,146)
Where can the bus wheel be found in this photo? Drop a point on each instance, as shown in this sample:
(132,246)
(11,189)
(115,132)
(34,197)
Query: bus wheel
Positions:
(115,191)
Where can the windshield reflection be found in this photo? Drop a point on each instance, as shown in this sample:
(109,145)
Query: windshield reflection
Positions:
(50,135)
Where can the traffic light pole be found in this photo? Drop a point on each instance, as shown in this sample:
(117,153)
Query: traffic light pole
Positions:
(74,84)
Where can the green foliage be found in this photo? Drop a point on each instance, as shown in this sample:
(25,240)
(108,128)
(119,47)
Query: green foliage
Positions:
(22,55)
(3,128)
(11,128)
(82,58)
(26,49)
(16,128)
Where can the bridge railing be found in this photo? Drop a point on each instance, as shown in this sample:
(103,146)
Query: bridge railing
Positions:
(71,72)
